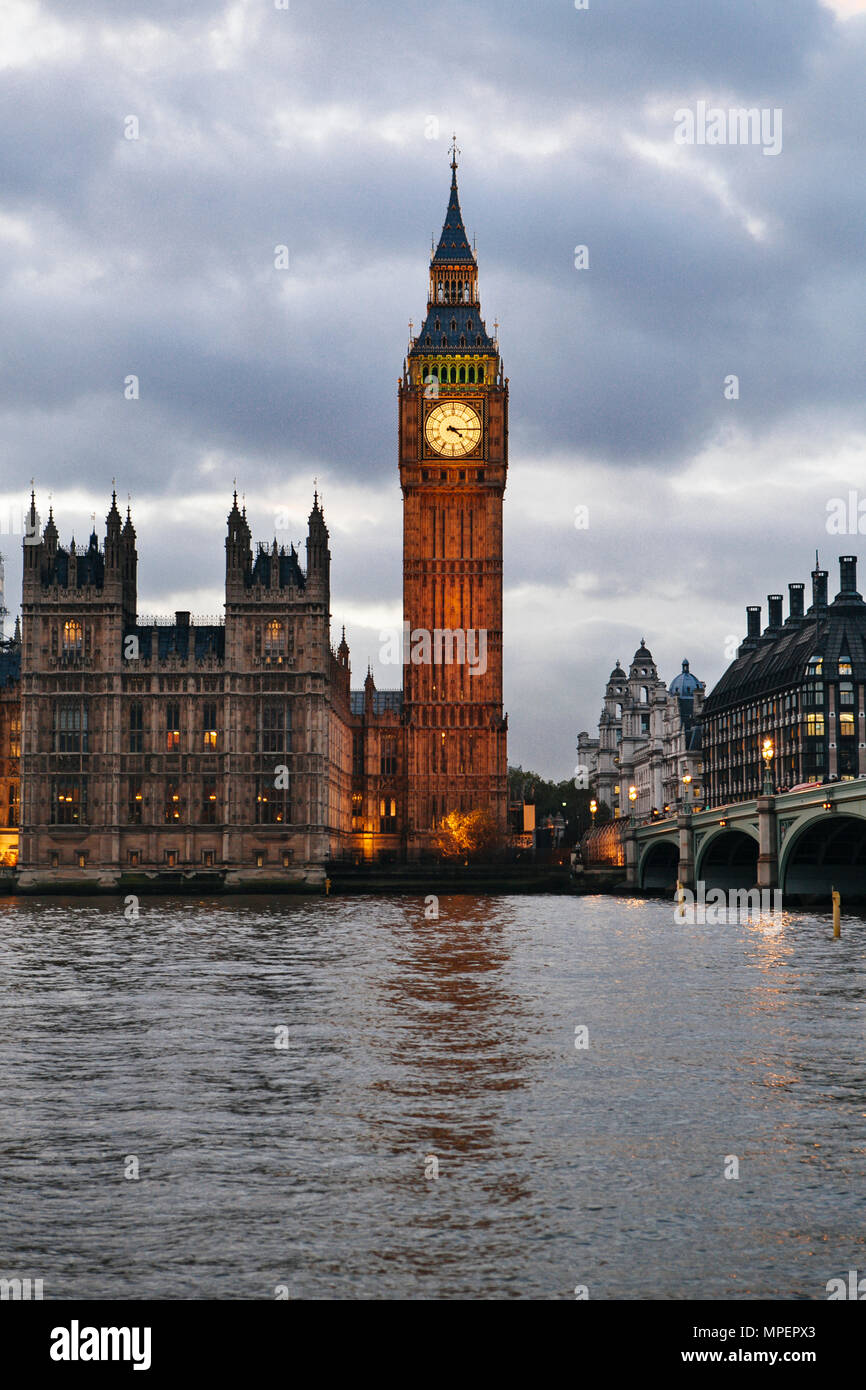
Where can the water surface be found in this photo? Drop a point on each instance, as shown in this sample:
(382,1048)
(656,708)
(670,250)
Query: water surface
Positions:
(309,1166)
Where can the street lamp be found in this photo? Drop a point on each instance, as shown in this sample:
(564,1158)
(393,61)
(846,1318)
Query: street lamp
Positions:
(632,796)
(593,807)
(768,753)
(687,782)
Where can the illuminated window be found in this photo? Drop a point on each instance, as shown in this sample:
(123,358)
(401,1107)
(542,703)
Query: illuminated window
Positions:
(134,803)
(815,666)
(275,641)
(172,728)
(272,803)
(172,804)
(209,804)
(69,801)
(72,638)
(387,816)
(814,726)
(845,666)
(209,720)
(846,724)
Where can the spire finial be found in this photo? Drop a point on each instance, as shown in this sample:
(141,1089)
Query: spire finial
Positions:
(454,153)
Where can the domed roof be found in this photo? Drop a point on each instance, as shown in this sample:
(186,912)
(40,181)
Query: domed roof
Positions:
(643,652)
(617,674)
(685,684)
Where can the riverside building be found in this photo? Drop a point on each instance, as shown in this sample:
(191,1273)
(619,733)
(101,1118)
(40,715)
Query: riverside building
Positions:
(796,689)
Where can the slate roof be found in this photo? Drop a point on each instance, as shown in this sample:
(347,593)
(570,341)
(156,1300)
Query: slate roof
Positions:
(382,700)
(447,339)
(290,569)
(453,245)
(174,641)
(775,661)
(10,664)
(90,567)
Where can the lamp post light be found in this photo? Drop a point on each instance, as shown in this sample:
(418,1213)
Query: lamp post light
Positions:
(768,753)
(593,807)
(632,796)
(687,782)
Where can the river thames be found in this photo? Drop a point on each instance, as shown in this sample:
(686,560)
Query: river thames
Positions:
(287,1075)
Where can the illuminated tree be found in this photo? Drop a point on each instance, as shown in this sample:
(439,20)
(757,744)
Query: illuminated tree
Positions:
(467,835)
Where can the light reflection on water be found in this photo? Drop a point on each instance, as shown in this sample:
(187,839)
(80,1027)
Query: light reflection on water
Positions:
(410,1038)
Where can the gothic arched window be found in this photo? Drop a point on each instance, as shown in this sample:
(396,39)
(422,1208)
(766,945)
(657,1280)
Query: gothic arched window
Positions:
(275,642)
(72,635)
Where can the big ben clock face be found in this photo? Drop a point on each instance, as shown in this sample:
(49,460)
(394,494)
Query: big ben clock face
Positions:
(452,429)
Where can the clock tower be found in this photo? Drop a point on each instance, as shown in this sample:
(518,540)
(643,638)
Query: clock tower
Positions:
(453,405)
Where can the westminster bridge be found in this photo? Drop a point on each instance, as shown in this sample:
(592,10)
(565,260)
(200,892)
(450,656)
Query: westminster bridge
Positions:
(803,842)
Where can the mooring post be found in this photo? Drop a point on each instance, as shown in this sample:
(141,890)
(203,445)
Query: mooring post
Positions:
(837,913)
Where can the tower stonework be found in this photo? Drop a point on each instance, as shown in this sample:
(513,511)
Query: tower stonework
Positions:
(453,458)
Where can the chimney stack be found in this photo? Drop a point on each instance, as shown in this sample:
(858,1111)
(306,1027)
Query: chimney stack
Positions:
(795,601)
(819,589)
(774,612)
(753,618)
(848,576)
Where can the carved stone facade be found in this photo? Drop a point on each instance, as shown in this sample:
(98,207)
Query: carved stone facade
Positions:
(155,751)
(649,739)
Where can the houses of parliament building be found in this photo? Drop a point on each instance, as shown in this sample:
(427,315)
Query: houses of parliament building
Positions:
(152,751)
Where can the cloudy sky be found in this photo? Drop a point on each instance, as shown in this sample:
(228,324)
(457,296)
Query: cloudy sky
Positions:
(324,127)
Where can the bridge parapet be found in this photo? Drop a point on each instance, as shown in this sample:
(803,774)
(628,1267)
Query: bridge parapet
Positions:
(772,821)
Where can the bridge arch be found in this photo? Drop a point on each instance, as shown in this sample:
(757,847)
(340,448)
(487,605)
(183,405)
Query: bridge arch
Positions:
(659,866)
(825,851)
(728,857)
